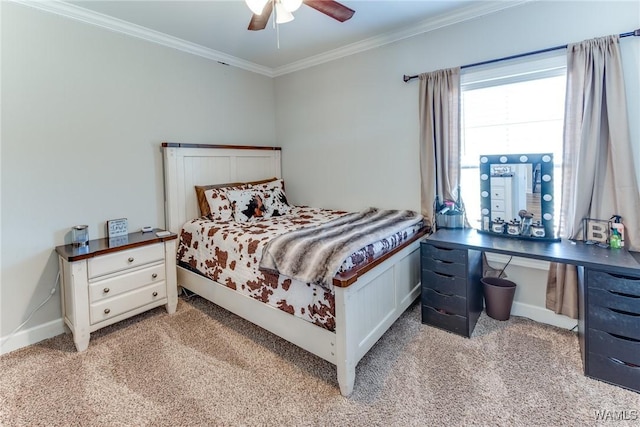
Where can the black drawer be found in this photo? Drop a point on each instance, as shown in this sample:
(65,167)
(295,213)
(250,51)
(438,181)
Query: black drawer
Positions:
(605,344)
(614,282)
(449,322)
(613,371)
(616,300)
(444,283)
(616,322)
(445,267)
(450,303)
(444,254)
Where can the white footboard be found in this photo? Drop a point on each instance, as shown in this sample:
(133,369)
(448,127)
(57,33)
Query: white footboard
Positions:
(367,308)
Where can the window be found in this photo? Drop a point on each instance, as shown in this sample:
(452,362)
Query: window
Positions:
(511,109)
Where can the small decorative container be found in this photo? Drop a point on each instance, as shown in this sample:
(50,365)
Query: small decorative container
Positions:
(497,226)
(513,228)
(537,229)
(80,235)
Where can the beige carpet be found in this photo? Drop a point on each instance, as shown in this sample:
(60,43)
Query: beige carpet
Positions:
(204,366)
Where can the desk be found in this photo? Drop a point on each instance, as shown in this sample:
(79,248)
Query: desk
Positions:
(609,294)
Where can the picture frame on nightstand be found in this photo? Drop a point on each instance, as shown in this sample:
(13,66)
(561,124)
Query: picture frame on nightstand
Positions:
(117,227)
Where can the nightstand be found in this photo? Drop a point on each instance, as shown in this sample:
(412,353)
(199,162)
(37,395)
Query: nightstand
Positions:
(109,280)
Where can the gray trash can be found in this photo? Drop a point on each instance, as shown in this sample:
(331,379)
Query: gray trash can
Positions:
(498,297)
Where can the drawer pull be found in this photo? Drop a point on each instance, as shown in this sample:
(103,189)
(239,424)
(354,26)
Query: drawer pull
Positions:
(620,276)
(620,362)
(444,294)
(620,337)
(154,276)
(627,313)
(622,294)
(130,259)
(106,290)
(448,276)
(155,294)
(445,312)
(107,311)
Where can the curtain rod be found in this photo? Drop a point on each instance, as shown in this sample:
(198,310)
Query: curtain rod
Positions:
(407,78)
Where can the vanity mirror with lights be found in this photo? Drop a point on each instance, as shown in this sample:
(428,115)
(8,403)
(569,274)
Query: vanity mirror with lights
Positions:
(516,195)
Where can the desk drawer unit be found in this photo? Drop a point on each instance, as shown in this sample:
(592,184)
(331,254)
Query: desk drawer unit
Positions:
(451,293)
(613,328)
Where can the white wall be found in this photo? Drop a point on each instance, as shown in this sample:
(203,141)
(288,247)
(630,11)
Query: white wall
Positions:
(84,111)
(349,128)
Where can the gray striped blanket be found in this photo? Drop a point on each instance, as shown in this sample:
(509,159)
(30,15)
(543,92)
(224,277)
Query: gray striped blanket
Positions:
(314,254)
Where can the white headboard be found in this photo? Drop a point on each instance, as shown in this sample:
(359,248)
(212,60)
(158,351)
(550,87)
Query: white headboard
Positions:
(188,165)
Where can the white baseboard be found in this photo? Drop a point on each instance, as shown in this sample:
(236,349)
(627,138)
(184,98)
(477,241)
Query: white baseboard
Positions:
(542,315)
(32,335)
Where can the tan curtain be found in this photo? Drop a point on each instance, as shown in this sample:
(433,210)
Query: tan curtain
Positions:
(439,137)
(599,178)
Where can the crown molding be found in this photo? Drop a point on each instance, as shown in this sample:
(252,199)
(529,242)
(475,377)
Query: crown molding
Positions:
(114,24)
(117,25)
(474,11)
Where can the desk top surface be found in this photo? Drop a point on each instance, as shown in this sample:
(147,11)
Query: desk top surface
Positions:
(568,252)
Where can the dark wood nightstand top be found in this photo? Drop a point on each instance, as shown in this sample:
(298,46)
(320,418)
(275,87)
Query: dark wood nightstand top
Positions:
(104,246)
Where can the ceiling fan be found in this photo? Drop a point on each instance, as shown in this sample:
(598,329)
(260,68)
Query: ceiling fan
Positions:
(262,10)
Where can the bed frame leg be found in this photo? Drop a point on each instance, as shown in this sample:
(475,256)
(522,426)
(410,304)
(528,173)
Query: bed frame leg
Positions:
(345,364)
(346,379)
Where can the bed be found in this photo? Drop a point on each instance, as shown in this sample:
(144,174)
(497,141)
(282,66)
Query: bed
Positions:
(367,298)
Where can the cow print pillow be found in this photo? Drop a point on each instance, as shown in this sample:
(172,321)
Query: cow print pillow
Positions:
(248,205)
(275,198)
(219,204)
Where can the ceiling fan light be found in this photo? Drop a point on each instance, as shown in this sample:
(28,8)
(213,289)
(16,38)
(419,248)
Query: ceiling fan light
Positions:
(282,15)
(256,6)
(291,5)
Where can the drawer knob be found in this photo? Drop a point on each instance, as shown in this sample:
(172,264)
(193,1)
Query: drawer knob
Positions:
(155,294)
(154,275)
(130,259)
(107,311)
(106,290)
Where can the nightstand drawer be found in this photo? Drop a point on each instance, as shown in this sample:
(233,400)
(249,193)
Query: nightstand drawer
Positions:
(111,307)
(606,344)
(445,267)
(613,371)
(444,283)
(497,193)
(125,282)
(453,304)
(620,323)
(497,206)
(449,322)
(444,254)
(122,260)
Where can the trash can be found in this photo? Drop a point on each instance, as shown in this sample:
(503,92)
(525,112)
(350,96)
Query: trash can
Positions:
(498,297)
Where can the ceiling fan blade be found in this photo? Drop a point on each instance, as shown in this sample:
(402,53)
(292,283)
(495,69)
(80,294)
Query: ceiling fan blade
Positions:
(331,8)
(259,22)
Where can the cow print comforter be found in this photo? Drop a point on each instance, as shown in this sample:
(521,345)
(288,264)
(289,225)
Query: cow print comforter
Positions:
(230,253)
